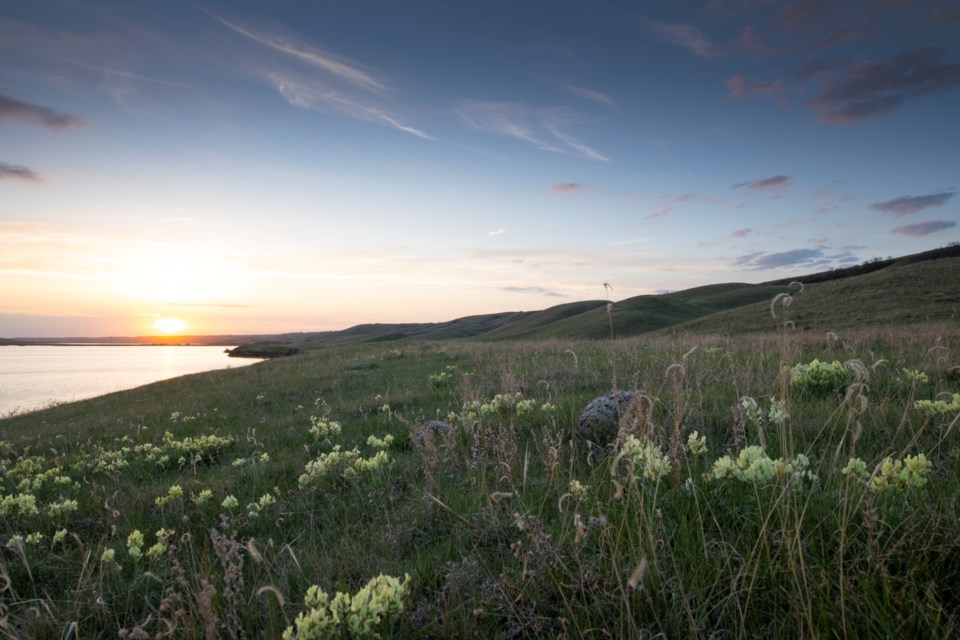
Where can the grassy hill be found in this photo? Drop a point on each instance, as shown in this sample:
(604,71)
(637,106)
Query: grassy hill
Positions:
(909,289)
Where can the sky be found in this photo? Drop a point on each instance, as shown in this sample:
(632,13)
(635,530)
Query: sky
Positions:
(247,167)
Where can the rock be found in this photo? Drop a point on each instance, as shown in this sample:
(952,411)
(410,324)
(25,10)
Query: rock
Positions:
(434,427)
(599,422)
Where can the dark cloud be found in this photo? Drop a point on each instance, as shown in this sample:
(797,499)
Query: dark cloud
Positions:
(773,183)
(682,35)
(760,260)
(836,39)
(873,88)
(12,109)
(812,69)
(17,172)
(540,290)
(741,88)
(567,187)
(906,205)
(802,16)
(750,42)
(924,228)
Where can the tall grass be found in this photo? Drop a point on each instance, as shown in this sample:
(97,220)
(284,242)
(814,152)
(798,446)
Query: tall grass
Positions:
(507,524)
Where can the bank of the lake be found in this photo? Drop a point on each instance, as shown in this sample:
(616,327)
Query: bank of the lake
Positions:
(35,376)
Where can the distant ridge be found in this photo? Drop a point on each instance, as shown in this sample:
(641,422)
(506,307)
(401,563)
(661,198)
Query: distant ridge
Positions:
(921,287)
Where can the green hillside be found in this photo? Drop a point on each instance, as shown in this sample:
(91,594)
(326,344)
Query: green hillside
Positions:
(914,288)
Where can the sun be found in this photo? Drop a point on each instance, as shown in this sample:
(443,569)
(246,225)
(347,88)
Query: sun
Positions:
(169,325)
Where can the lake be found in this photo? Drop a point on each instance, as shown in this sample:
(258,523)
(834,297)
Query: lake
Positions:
(33,377)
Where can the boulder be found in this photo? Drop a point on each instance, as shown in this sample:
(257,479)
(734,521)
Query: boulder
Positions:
(434,427)
(599,422)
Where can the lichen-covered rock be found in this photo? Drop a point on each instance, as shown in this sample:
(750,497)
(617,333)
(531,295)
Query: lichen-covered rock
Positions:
(599,422)
(433,427)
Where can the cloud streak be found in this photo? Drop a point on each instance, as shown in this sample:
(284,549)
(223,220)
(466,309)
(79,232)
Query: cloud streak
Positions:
(18,172)
(682,35)
(760,260)
(547,292)
(924,228)
(589,94)
(908,205)
(870,89)
(773,184)
(27,113)
(740,88)
(313,56)
(542,127)
(567,187)
(318,97)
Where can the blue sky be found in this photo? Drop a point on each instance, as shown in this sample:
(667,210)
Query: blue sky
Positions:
(294,166)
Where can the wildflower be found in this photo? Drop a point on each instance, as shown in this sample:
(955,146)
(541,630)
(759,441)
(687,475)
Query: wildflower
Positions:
(108,556)
(202,497)
(354,616)
(818,378)
(380,443)
(229,502)
(59,536)
(577,490)
(62,507)
(34,538)
(697,444)
(15,542)
(135,544)
(940,407)
(913,376)
(856,468)
(647,458)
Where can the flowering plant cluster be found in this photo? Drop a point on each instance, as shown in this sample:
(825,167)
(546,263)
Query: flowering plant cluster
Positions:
(504,404)
(818,378)
(941,407)
(648,459)
(753,464)
(902,474)
(774,416)
(443,378)
(697,444)
(323,428)
(349,616)
(346,462)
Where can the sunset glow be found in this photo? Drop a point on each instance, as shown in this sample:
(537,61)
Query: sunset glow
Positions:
(280,167)
(169,326)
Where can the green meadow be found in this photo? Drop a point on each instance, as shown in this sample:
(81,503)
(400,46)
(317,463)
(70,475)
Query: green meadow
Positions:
(794,482)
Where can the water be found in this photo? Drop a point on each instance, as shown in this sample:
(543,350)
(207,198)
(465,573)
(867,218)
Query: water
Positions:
(33,377)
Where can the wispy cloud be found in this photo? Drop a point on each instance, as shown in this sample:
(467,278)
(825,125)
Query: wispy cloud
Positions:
(13,109)
(497,232)
(315,96)
(802,16)
(740,233)
(773,184)
(18,172)
(567,187)
(589,94)
(761,260)
(907,205)
(740,88)
(748,41)
(542,127)
(871,89)
(924,228)
(547,292)
(682,35)
(336,65)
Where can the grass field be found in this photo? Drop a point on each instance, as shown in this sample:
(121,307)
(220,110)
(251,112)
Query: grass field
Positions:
(739,500)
